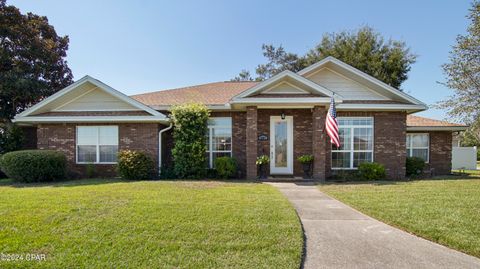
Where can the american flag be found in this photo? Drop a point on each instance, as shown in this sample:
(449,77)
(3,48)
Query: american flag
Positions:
(331,124)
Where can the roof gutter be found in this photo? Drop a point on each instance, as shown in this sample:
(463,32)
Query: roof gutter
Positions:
(437,128)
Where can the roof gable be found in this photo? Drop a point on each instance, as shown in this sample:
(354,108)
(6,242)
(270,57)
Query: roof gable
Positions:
(286,82)
(88,94)
(348,88)
(96,99)
(381,88)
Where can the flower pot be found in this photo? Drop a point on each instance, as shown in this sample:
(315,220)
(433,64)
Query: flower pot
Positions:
(262,171)
(307,168)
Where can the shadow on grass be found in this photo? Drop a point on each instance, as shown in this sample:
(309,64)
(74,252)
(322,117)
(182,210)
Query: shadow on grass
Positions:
(100,181)
(65,183)
(454,176)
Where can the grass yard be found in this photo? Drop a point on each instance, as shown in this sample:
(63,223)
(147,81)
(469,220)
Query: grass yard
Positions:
(149,224)
(444,211)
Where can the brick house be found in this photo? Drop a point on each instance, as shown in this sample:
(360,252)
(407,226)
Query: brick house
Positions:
(283,117)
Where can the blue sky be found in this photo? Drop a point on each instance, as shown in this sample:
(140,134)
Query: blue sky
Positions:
(152,45)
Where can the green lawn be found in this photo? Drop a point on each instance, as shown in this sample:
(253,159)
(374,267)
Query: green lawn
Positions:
(149,224)
(444,211)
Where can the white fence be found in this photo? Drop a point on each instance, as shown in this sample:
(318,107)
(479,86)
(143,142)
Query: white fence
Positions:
(464,158)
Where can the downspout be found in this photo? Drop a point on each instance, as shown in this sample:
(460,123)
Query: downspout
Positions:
(160,146)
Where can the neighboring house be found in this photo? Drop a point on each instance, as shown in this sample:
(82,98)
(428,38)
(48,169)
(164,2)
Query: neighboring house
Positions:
(283,117)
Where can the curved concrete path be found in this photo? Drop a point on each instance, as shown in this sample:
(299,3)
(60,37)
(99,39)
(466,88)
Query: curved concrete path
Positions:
(338,236)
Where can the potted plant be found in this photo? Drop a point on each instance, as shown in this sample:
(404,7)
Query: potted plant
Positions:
(306,161)
(262,163)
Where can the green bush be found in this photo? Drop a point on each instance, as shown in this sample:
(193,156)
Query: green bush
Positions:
(414,166)
(226,167)
(371,171)
(135,165)
(34,165)
(167,173)
(90,170)
(11,138)
(305,159)
(188,152)
(345,175)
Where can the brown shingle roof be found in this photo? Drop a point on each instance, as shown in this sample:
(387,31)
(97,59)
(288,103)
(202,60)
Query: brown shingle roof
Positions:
(418,121)
(217,93)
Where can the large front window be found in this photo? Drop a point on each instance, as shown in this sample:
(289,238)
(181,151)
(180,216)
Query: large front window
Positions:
(97,144)
(356,143)
(219,139)
(418,146)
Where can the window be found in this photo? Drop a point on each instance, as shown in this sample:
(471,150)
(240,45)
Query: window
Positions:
(97,144)
(418,146)
(356,143)
(219,139)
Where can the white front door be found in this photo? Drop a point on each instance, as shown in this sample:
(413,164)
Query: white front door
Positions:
(281,145)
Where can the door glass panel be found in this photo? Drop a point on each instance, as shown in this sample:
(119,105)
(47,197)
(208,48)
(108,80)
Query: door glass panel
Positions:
(281,144)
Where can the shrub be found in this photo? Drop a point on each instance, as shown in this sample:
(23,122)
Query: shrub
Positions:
(34,165)
(226,167)
(305,159)
(371,171)
(90,170)
(414,166)
(345,175)
(188,152)
(135,165)
(167,173)
(11,138)
(262,160)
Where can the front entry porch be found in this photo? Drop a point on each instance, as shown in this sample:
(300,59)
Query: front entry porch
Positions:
(284,135)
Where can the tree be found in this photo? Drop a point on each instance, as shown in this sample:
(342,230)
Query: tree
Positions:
(244,75)
(32,60)
(463,74)
(365,49)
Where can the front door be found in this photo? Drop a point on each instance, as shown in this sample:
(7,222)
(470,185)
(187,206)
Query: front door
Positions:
(281,145)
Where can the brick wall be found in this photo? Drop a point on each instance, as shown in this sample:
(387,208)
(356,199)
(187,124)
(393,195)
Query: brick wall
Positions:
(302,133)
(440,152)
(134,136)
(251,142)
(389,140)
(321,149)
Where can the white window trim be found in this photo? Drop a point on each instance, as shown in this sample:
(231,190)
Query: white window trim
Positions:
(410,148)
(352,151)
(97,144)
(210,150)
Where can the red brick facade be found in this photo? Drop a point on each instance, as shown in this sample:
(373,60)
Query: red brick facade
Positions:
(309,137)
(440,152)
(440,160)
(134,136)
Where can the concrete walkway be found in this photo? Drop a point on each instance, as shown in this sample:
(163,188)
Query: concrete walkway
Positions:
(338,236)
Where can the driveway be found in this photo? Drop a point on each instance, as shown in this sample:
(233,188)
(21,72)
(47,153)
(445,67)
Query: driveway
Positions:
(338,236)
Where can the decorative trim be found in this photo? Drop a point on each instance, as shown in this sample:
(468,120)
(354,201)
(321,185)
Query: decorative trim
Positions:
(269,90)
(436,128)
(62,119)
(319,89)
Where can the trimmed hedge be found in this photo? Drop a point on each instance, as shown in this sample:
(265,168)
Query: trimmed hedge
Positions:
(226,167)
(190,121)
(34,165)
(371,171)
(414,166)
(135,165)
